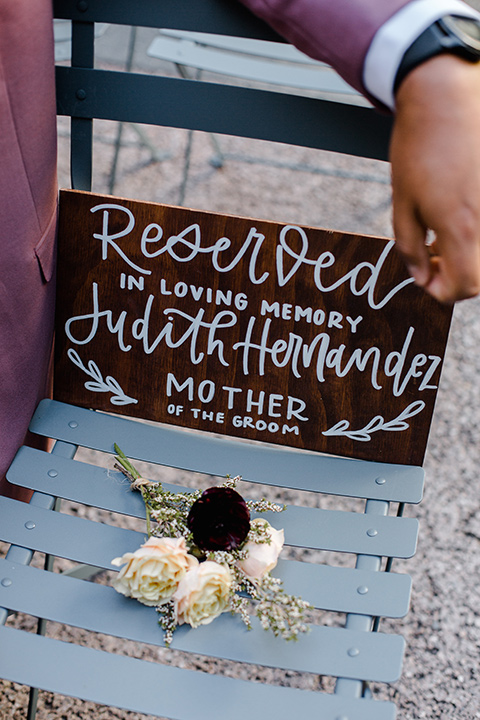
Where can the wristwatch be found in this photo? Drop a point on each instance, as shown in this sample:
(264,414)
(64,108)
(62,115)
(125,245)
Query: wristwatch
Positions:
(451,34)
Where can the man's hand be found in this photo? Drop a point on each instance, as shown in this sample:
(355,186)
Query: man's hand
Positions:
(435,156)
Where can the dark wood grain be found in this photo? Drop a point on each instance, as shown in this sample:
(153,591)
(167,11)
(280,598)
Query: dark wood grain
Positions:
(281,339)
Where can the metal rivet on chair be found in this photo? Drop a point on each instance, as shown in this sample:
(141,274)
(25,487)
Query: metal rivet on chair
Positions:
(73,424)
(380,481)
(353,652)
(372,532)
(52,473)
(30,525)
(82,5)
(362,590)
(81,94)
(6,582)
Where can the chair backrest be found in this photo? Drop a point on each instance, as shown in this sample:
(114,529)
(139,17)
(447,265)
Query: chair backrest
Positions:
(84,93)
(320,340)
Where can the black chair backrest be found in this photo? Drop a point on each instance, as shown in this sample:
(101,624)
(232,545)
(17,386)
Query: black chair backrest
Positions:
(85,93)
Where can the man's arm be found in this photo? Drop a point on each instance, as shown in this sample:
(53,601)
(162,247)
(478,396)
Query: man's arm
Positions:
(435,148)
(435,156)
(338,32)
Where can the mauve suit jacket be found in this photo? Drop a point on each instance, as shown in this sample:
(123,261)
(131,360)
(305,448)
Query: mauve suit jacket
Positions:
(336,31)
(28,198)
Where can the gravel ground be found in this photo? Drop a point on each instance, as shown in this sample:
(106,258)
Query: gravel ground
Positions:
(441,671)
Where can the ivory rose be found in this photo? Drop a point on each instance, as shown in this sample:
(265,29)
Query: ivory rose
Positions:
(262,557)
(202,594)
(152,573)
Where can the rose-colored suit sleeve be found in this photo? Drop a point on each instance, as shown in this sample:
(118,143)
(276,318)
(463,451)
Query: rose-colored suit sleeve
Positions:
(28,199)
(338,32)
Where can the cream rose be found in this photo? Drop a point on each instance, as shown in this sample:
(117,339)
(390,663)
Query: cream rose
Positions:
(202,594)
(152,573)
(262,557)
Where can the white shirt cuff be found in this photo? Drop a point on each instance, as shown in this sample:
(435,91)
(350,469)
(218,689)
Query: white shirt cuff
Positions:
(393,39)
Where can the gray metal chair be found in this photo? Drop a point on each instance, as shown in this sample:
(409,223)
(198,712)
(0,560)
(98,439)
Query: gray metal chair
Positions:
(359,592)
(260,61)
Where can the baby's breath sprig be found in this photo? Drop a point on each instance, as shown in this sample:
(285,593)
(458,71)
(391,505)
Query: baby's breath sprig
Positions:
(170,511)
(230,482)
(167,621)
(262,505)
(226,557)
(259,533)
(240,605)
(278,611)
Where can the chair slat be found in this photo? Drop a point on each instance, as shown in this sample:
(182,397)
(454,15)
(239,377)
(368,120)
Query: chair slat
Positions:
(65,536)
(162,690)
(259,48)
(205,453)
(306,527)
(363,592)
(195,54)
(347,531)
(321,529)
(208,16)
(339,589)
(324,650)
(319,123)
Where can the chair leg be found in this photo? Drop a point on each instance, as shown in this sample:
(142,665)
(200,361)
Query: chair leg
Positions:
(218,159)
(41,630)
(116,152)
(118,140)
(186,169)
(367,691)
(155,154)
(32,704)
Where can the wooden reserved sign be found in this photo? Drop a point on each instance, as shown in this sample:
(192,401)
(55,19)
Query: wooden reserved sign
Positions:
(281,333)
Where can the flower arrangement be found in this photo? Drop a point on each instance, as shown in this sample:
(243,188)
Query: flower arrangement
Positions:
(205,556)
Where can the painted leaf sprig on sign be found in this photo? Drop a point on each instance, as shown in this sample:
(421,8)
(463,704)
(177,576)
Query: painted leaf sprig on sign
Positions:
(282,333)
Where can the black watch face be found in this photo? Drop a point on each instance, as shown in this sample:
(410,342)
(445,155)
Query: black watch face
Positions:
(466,29)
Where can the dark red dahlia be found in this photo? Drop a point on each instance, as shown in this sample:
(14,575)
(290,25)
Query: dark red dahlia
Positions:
(219,519)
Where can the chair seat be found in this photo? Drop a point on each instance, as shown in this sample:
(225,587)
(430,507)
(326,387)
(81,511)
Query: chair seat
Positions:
(352,652)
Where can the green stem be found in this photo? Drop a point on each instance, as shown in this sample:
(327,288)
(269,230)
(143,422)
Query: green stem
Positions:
(147,516)
(132,473)
(125,462)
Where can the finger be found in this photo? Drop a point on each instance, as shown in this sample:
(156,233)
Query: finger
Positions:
(410,237)
(456,268)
